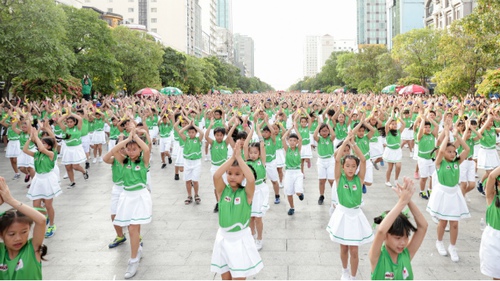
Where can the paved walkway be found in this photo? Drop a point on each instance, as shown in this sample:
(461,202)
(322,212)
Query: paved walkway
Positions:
(178,243)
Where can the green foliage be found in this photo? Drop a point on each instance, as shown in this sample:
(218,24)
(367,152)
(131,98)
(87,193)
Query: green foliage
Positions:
(173,70)
(490,84)
(41,88)
(408,80)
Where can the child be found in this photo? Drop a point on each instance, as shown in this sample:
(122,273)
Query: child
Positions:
(348,225)
(99,137)
(192,158)
(16,248)
(467,168)
(363,142)
(235,254)
(294,178)
(278,132)
(447,202)
(24,161)
(303,130)
(13,146)
(271,144)
(392,249)
(426,142)
(489,253)
(487,158)
(392,153)
(165,128)
(324,137)
(177,151)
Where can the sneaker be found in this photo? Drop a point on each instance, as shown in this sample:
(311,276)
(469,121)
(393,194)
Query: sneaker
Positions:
(169,160)
(375,165)
(94,160)
(453,253)
(16,176)
(477,176)
(27,178)
(118,241)
(423,195)
(429,192)
(435,219)
(281,185)
(216,209)
(382,163)
(301,196)
(416,175)
(87,165)
(258,243)
(51,230)
(100,159)
(447,228)
(71,185)
(131,269)
(176,177)
(321,200)
(86,175)
(364,189)
(65,176)
(163,165)
(388,184)
(411,154)
(206,158)
(467,198)
(345,275)
(479,187)
(291,211)
(440,248)
(277,200)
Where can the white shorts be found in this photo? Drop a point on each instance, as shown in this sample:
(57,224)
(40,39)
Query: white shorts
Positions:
(115,196)
(476,151)
(213,169)
(13,149)
(468,171)
(306,151)
(280,158)
(175,150)
(426,167)
(192,170)
(260,201)
(106,128)
(165,144)
(111,144)
(179,160)
(86,143)
(415,152)
(407,134)
(313,141)
(326,168)
(369,172)
(293,182)
(154,133)
(336,143)
(272,171)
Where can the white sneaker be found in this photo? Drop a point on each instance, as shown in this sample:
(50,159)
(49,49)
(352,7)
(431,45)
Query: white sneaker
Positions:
(100,159)
(447,228)
(467,198)
(206,158)
(411,154)
(353,278)
(131,269)
(388,184)
(440,248)
(435,219)
(94,160)
(281,185)
(259,244)
(453,253)
(395,183)
(65,176)
(345,275)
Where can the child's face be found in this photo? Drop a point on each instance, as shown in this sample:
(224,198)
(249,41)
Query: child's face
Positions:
(254,153)
(133,150)
(427,129)
(361,132)
(219,137)
(235,176)
(16,236)
(450,153)
(192,133)
(396,243)
(324,132)
(394,125)
(217,115)
(293,142)
(70,123)
(303,122)
(350,167)
(266,134)
(341,118)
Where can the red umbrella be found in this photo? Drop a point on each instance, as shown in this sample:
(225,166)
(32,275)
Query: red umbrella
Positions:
(413,89)
(147,92)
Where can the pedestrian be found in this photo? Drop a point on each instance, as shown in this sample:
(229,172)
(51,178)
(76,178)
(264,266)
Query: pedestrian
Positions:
(392,152)
(13,149)
(324,137)
(86,87)
(294,178)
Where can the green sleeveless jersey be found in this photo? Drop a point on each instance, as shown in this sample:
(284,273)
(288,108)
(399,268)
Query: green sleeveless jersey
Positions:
(12,135)
(58,131)
(270,150)
(364,145)
(134,175)
(292,159)
(98,124)
(448,173)
(393,142)
(43,164)
(349,192)
(218,123)
(117,172)
(218,152)
(23,267)
(408,122)
(75,136)
(192,149)
(425,146)
(325,147)
(23,138)
(489,139)
(260,169)
(279,142)
(304,133)
(150,122)
(114,132)
(340,131)
(470,143)
(314,125)
(493,215)
(165,129)
(85,127)
(375,136)
(91,126)
(386,269)
(234,210)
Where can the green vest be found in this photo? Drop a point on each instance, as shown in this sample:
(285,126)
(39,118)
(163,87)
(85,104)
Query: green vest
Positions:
(23,138)
(388,270)
(23,267)
(375,136)
(493,215)
(117,172)
(43,164)
(75,136)
(448,173)
(489,139)
(12,135)
(218,153)
(218,124)
(234,210)
(279,142)
(325,147)
(292,159)
(192,149)
(165,129)
(364,145)
(98,124)
(425,146)
(58,131)
(393,142)
(134,175)
(470,143)
(340,131)
(349,192)
(304,133)
(85,127)
(314,125)
(260,169)
(150,122)
(270,150)
(114,132)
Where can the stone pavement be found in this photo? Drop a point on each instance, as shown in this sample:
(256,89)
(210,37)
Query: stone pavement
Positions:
(178,243)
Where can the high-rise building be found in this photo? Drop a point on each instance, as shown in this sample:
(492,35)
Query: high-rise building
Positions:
(244,54)
(225,14)
(403,16)
(208,23)
(317,50)
(372,22)
(311,56)
(176,22)
(441,13)
(224,44)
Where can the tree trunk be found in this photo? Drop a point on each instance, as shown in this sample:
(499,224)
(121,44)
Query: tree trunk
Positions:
(7,86)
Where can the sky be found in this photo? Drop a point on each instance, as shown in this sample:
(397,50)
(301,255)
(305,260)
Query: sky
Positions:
(279,29)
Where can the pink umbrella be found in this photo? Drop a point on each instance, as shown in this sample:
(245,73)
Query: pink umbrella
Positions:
(413,89)
(147,92)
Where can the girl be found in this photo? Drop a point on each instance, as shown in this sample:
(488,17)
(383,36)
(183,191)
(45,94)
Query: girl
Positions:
(303,130)
(447,202)
(45,185)
(376,142)
(16,248)
(467,168)
(99,137)
(348,225)
(25,162)
(407,136)
(489,252)
(74,153)
(235,254)
(487,158)
(278,132)
(134,206)
(165,129)
(294,178)
(13,146)
(326,162)
(392,153)
(392,249)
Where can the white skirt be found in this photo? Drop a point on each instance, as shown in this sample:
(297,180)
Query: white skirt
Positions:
(447,203)
(376,149)
(44,186)
(476,151)
(13,149)
(134,207)
(306,151)
(487,159)
(24,160)
(260,201)
(280,158)
(99,137)
(489,252)
(407,134)
(349,226)
(73,155)
(235,252)
(392,155)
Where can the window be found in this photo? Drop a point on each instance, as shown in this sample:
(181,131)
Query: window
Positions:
(131,20)
(87,1)
(155,30)
(110,10)
(153,1)
(110,1)
(130,10)
(154,20)
(154,10)
(131,1)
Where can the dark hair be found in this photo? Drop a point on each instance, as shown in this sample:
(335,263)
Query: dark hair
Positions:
(235,164)
(393,132)
(324,125)
(406,111)
(266,128)
(400,227)
(457,157)
(473,122)
(220,130)
(361,127)
(340,144)
(293,136)
(303,118)
(241,135)
(427,123)
(190,128)
(330,112)
(74,119)
(353,157)
(218,111)
(50,142)
(12,216)
(254,144)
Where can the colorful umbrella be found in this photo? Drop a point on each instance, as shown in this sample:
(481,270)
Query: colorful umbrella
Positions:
(225,92)
(171,91)
(339,90)
(147,92)
(413,90)
(391,89)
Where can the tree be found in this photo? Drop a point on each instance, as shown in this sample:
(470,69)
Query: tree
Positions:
(490,84)
(173,70)
(91,41)
(140,58)
(417,51)
(31,41)
(329,75)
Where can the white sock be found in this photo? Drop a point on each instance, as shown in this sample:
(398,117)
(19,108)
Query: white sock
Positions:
(136,259)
